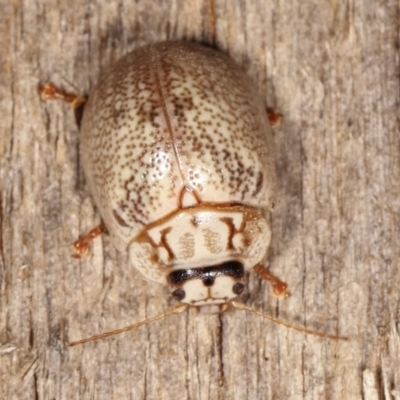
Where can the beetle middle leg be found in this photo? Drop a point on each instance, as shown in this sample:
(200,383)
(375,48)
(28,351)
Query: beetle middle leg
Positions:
(279,287)
(51,92)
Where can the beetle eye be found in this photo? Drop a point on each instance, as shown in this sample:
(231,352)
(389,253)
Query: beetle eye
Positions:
(178,294)
(238,288)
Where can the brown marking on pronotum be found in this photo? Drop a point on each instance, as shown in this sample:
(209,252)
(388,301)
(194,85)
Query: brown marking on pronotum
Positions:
(164,242)
(212,241)
(209,206)
(144,237)
(232,230)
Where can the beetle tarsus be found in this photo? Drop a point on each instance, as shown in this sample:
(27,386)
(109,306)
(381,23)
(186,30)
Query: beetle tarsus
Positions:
(81,246)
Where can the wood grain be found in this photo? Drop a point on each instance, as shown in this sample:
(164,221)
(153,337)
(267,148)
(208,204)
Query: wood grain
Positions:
(332,69)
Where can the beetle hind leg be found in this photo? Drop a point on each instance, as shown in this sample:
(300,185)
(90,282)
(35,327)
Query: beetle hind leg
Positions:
(279,287)
(51,92)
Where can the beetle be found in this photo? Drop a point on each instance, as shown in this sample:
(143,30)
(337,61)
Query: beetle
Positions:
(177,152)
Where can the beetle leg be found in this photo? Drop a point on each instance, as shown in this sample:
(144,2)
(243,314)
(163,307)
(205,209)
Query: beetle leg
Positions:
(279,287)
(274,117)
(51,92)
(81,246)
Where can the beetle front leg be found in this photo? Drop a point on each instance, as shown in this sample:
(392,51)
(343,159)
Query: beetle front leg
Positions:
(81,246)
(279,287)
(51,92)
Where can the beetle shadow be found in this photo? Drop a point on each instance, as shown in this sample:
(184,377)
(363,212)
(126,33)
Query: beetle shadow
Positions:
(289,161)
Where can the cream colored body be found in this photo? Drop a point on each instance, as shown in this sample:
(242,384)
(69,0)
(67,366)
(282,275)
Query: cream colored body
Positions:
(177,152)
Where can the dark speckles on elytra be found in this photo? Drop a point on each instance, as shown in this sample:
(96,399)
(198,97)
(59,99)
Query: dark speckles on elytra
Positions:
(205,142)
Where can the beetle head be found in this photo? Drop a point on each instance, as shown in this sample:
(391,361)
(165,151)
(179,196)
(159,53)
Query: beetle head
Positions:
(208,288)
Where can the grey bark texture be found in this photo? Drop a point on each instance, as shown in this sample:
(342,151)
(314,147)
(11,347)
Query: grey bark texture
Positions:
(332,69)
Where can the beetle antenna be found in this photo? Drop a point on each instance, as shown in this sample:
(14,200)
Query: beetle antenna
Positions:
(241,306)
(177,310)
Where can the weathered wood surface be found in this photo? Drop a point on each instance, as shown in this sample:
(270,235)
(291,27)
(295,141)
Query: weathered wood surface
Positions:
(332,68)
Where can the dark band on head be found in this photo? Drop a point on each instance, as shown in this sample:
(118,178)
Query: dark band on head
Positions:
(207,274)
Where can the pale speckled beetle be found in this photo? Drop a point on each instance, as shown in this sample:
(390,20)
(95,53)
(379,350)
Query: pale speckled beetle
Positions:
(177,151)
